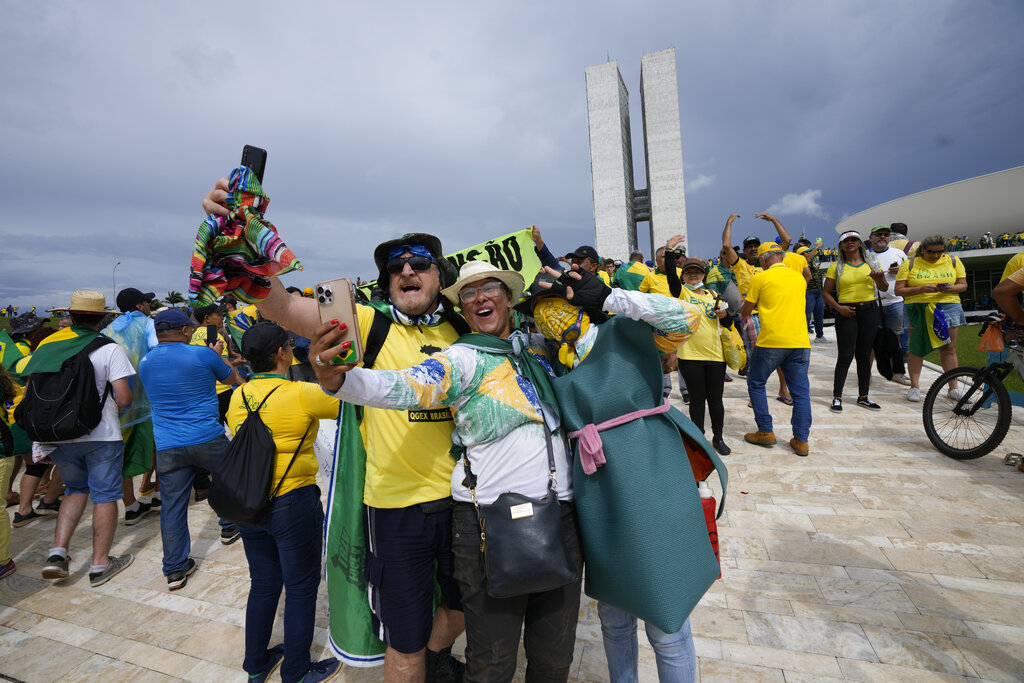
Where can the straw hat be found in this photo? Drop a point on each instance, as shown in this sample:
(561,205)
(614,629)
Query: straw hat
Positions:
(88,301)
(474,271)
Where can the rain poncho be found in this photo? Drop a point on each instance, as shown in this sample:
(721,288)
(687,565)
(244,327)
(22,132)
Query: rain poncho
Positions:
(135,334)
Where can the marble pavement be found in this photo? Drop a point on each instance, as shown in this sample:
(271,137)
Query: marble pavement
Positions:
(874,559)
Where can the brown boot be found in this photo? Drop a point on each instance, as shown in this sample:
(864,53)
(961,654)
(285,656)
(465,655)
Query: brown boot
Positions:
(799,447)
(760,438)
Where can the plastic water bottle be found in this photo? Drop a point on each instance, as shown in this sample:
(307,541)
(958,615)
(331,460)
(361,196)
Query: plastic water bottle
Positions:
(708,502)
(872,260)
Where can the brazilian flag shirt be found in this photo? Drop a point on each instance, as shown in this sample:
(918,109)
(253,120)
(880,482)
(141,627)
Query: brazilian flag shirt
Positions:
(630,277)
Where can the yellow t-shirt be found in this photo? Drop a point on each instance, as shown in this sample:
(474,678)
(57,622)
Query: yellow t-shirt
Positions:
(199,339)
(925,273)
(744,272)
(292,413)
(407,460)
(657,282)
(795,261)
(780,296)
(855,286)
(706,342)
(1013,265)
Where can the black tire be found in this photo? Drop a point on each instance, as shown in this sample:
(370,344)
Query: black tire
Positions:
(965,437)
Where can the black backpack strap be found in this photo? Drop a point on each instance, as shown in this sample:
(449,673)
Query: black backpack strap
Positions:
(96,343)
(375,339)
(288,469)
(245,401)
(379,329)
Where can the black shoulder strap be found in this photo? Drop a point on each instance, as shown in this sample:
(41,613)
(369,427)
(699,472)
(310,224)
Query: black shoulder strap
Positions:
(96,343)
(245,400)
(89,348)
(290,463)
(375,339)
(457,322)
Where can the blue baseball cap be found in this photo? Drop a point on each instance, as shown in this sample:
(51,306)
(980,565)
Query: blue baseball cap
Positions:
(171,319)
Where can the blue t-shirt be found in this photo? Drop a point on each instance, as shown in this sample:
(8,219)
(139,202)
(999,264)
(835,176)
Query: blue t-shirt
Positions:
(181,381)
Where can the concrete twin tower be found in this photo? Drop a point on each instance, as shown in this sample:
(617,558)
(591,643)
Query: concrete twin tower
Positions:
(618,205)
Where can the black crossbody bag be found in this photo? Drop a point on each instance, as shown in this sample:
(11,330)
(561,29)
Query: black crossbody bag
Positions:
(522,538)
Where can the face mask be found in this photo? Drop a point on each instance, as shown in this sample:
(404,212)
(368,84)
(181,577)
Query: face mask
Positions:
(694,288)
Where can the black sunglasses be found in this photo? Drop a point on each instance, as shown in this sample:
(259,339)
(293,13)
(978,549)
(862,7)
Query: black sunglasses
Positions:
(935,253)
(417,263)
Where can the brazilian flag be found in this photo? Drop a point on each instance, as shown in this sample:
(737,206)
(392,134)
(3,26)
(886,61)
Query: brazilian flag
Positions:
(10,353)
(351,633)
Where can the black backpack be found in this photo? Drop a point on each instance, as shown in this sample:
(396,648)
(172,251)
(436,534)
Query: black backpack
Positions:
(63,405)
(240,491)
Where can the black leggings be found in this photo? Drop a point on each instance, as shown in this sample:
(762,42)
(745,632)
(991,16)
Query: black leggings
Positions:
(36,469)
(705,380)
(856,339)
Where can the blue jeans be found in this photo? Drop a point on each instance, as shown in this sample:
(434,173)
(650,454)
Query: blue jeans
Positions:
(674,652)
(177,470)
(892,318)
(284,551)
(92,467)
(816,309)
(793,363)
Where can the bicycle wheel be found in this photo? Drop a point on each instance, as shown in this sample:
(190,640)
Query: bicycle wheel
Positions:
(978,426)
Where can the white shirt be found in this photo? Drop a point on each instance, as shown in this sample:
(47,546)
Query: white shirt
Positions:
(886,259)
(109,363)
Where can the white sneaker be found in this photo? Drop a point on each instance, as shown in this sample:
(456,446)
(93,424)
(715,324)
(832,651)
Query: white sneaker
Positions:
(821,340)
(901,379)
(956,394)
(913,394)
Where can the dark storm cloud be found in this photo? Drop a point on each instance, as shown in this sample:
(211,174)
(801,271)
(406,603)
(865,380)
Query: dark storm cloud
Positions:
(469,121)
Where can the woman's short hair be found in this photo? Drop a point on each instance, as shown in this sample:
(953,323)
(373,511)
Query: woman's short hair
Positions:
(263,364)
(933,241)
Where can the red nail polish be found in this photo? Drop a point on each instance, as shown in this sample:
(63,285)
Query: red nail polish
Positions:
(334,322)
(346,345)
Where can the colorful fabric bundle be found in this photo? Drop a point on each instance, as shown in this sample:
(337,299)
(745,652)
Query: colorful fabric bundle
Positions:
(237,254)
(931,330)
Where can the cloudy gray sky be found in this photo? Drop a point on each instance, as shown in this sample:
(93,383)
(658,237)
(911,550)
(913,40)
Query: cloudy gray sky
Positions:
(469,120)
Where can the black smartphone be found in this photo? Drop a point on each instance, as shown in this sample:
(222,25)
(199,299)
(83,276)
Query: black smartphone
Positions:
(256,159)
(211,335)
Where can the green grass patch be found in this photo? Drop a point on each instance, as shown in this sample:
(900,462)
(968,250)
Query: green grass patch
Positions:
(5,323)
(968,354)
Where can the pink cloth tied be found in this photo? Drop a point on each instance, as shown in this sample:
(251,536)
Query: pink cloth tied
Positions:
(591,446)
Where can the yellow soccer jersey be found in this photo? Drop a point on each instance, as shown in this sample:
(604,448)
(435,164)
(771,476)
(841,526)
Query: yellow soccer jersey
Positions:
(407,460)
(855,286)
(925,273)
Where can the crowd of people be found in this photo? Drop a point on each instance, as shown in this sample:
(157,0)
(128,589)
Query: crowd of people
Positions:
(11,311)
(479,364)
(986,241)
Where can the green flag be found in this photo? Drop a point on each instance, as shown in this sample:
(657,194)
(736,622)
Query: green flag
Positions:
(350,629)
